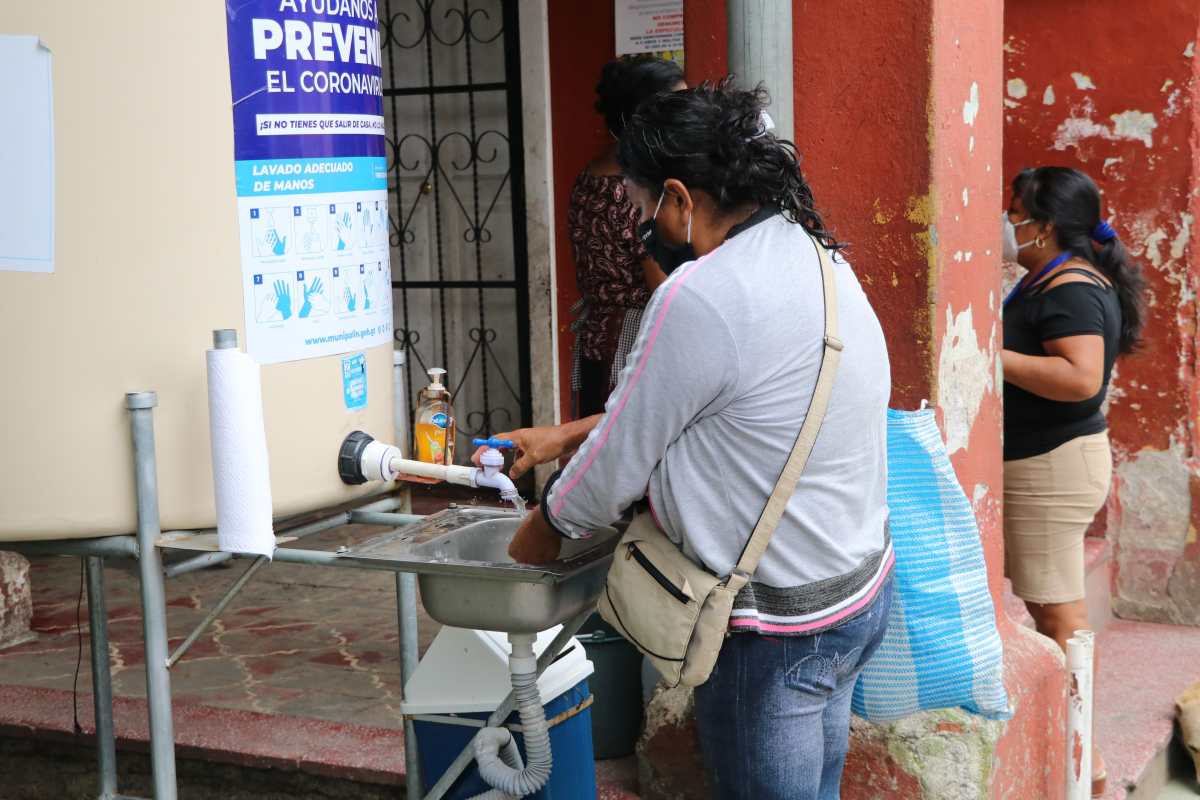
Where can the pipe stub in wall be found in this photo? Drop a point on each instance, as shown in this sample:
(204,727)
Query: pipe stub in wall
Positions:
(139,400)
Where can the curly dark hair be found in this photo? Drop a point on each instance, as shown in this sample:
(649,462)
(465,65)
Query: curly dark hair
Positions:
(630,80)
(713,138)
(1071,200)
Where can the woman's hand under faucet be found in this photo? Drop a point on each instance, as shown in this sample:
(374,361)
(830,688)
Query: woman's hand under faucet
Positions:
(535,542)
(545,444)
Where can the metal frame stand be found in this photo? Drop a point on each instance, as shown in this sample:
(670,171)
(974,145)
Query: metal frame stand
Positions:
(154,603)
(102,702)
(145,548)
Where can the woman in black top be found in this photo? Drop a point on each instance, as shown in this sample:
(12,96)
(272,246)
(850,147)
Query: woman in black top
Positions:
(1079,306)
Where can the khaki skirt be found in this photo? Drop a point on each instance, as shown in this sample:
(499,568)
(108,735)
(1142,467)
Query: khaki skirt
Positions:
(1049,503)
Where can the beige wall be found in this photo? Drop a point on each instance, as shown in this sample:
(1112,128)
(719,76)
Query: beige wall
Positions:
(147,265)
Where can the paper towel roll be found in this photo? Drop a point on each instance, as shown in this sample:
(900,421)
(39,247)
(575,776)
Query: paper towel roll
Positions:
(241,475)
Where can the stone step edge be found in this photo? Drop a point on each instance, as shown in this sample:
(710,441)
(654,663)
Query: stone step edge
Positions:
(363,753)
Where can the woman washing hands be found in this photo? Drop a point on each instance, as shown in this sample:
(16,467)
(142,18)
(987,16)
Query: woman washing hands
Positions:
(707,412)
(536,542)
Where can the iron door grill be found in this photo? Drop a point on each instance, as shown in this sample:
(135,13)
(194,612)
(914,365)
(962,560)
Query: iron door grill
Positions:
(460,284)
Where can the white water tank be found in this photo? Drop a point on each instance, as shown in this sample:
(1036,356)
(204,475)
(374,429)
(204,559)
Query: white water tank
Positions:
(150,242)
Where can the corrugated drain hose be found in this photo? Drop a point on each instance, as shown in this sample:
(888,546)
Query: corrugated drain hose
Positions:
(496,753)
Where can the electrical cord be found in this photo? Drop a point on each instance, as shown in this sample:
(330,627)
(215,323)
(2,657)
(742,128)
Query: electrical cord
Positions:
(78,652)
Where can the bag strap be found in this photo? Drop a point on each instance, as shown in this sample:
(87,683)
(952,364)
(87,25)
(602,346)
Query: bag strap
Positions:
(786,485)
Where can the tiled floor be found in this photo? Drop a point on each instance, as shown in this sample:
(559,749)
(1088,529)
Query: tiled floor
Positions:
(315,642)
(308,645)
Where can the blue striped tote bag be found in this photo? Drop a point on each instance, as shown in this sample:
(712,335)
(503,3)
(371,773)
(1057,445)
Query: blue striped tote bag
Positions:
(941,648)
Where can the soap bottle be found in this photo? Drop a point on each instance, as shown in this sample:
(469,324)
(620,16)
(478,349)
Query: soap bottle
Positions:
(434,429)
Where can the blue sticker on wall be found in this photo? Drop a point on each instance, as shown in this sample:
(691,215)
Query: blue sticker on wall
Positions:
(354,381)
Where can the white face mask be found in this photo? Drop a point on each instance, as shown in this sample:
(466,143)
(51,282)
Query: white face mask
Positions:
(1011,248)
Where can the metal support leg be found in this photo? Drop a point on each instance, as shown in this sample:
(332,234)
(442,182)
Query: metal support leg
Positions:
(406,611)
(456,768)
(230,593)
(154,612)
(106,743)
(202,561)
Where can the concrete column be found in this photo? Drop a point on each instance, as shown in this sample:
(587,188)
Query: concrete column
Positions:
(760,51)
(903,147)
(539,215)
(16,604)
(1135,128)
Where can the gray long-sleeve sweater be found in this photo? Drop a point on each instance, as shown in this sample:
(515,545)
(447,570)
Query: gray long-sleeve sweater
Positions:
(707,411)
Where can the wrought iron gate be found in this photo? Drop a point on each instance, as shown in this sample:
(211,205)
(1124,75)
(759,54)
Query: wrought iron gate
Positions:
(452,98)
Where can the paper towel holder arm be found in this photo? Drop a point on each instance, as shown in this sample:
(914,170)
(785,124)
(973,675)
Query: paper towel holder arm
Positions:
(225,339)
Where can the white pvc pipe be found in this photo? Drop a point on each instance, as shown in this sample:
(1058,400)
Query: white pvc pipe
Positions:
(1080,683)
(463,476)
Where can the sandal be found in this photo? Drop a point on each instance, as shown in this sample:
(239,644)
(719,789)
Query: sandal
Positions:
(1100,778)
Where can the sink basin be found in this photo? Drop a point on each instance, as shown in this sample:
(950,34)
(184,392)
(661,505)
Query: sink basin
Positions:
(467,579)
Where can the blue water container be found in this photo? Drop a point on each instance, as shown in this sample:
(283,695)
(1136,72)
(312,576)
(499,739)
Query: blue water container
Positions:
(573,776)
(465,675)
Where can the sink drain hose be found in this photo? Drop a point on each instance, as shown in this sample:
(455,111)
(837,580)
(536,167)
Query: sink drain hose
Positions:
(495,751)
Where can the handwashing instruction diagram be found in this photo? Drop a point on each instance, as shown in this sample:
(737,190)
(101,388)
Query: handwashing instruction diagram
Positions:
(311,178)
(307,230)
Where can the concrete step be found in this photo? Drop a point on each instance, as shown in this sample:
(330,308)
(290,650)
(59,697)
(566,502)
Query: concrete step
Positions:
(333,759)
(1142,668)
(617,779)
(1097,555)
(1182,784)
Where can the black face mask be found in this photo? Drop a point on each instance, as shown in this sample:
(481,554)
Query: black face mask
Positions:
(669,257)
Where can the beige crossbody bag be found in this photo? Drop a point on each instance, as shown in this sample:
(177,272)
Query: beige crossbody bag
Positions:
(667,606)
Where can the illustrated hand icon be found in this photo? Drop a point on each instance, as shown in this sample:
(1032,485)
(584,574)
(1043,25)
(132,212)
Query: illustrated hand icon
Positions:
(343,231)
(283,299)
(351,300)
(366,298)
(309,291)
(278,246)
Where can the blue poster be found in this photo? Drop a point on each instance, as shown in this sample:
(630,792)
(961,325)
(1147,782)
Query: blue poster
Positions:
(311,176)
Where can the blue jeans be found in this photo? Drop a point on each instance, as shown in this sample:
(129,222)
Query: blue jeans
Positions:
(774,717)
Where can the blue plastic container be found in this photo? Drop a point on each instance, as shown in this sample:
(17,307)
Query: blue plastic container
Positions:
(573,776)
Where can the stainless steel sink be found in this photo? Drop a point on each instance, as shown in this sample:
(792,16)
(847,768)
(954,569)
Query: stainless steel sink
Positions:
(467,579)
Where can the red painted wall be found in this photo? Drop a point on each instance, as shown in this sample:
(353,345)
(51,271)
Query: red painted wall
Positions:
(581,42)
(861,127)
(705,40)
(1128,116)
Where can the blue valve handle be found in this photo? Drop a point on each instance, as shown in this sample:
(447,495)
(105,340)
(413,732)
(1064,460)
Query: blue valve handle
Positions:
(499,444)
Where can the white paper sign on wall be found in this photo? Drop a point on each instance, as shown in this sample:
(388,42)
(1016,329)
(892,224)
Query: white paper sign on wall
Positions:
(650,26)
(26,155)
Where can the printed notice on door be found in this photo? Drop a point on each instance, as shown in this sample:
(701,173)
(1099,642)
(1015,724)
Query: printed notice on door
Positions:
(650,26)
(311,176)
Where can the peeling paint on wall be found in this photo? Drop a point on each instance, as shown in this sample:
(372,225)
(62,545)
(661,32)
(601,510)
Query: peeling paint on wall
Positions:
(1082,81)
(1017,89)
(1133,125)
(1180,243)
(1155,499)
(971,106)
(1048,97)
(965,375)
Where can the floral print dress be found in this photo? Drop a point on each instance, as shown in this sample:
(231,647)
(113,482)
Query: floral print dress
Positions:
(602,223)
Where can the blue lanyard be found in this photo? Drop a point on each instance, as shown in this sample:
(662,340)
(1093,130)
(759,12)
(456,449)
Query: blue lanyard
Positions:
(1016,290)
